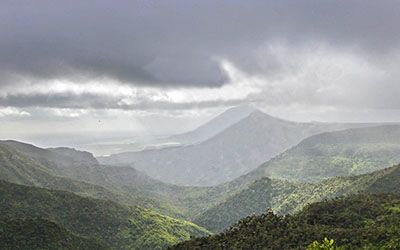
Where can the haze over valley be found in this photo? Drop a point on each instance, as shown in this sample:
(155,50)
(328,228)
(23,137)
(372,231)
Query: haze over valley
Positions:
(199,125)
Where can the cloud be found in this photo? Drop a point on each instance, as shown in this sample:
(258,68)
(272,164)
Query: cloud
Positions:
(180,55)
(175,43)
(310,75)
(109,94)
(12,112)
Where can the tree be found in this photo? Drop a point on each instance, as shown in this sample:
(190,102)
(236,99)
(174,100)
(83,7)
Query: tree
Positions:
(327,244)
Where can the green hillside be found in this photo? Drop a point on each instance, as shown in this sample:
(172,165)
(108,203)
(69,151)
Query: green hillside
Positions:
(78,172)
(285,197)
(260,195)
(341,153)
(37,233)
(308,173)
(119,226)
(356,222)
(381,181)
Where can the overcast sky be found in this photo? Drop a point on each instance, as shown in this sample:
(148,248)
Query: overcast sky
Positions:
(157,67)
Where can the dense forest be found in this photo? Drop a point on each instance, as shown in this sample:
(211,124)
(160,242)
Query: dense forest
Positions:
(37,233)
(78,202)
(287,197)
(341,153)
(363,221)
(191,125)
(109,223)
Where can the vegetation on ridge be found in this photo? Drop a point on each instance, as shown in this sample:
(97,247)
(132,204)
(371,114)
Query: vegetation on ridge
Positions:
(286,197)
(119,226)
(364,221)
(38,234)
(342,153)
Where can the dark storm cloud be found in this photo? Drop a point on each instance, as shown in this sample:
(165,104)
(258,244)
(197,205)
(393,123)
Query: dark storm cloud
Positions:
(178,43)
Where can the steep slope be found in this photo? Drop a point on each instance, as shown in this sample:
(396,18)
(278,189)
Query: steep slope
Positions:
(79,172)
(255,199)
(61,162)
(213,127)
(340,153)
(286,197)
(200,134)
(124,185)
(119,226)
(381,181)
(354,222)
(231,153)
(37,234)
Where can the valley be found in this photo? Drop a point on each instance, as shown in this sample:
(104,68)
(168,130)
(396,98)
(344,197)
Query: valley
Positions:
(199,125)
(350,161)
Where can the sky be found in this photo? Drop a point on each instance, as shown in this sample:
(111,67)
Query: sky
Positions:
(127,68)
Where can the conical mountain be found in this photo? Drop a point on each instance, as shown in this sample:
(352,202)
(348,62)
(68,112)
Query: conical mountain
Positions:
(236,150)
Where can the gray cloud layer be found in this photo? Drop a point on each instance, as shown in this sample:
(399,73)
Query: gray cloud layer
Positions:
(175,44)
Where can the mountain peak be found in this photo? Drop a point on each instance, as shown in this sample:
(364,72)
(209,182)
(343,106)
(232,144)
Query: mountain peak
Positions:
(215,125)
(257,112)
(258,115)
(241,109)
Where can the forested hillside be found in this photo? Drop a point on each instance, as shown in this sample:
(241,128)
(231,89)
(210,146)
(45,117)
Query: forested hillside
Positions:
(215,125)
(364,221)
(79,172)
(119,226)
(341,153)
(255,199)
(286,197)
(55,169)
(214,208)
(38,234)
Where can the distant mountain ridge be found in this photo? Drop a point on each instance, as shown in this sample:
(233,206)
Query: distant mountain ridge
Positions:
(339,153)
(234,151)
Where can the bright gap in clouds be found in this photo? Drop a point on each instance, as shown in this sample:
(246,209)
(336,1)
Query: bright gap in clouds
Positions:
(13,112)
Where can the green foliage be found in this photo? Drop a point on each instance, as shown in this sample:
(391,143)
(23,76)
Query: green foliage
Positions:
(325,245)
(118,226)
(285,197)
(212,207)
(342,153)
(37,233)
(255,199)
(78,172)
(363,221)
